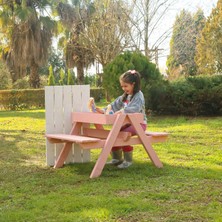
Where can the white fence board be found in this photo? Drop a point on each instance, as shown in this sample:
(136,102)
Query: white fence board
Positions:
(50,125)
(60,101)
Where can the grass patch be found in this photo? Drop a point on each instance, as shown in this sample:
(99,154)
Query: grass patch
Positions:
(188,188)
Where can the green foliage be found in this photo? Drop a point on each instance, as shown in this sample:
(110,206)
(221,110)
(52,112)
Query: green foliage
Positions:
(122,63)
(62,77)
(56,60)
(26,32)
(70,78)
(6,81)
(97,94)
(186,29)
(22,99)
(209,45)
(22,83)
(51,81)
(193,96)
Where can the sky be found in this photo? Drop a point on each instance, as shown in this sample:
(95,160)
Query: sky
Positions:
(190,5)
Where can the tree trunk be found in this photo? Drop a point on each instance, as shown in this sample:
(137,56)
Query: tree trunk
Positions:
(34,79)
(80,73)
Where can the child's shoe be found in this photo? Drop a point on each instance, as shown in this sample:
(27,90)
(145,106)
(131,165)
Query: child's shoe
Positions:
(124,165)
(116,157)
(128,160)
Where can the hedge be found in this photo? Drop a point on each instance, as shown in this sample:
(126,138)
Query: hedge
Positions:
(193,96)
(32,98)
(22,99)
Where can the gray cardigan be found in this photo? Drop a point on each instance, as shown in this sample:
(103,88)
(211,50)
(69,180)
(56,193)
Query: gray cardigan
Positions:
(136,105)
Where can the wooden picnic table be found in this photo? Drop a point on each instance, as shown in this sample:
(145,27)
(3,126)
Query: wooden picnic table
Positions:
(88,131)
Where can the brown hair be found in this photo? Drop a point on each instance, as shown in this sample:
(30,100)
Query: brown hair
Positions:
(131,76)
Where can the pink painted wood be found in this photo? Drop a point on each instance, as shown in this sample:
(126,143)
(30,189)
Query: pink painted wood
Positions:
(106,139)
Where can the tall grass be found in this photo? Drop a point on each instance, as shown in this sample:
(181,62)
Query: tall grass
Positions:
(188,188)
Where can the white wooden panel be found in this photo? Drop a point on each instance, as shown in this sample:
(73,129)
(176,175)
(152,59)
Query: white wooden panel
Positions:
(50,126)
(60,101)
(67,116)
(77,106)
(85,89)
(59,116)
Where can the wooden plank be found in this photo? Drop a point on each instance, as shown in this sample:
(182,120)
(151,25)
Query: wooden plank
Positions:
(145,141)
(50,127)
(100,118)
(103,134)
(85,98)
(97,170)
(67,107)
(156,134)
(58,115)
(72,138)
(77,106)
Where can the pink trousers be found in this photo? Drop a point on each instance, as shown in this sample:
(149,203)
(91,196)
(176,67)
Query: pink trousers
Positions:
(131,129)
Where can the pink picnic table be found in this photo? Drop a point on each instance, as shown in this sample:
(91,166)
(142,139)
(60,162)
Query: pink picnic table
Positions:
(88,131)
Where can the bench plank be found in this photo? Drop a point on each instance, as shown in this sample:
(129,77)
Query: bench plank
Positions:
(72,138)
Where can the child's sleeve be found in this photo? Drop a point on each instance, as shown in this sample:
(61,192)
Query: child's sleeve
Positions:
(117,104)
(135,106)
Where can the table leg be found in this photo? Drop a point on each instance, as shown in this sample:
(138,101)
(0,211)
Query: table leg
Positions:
(67,146)
(63,155)
(100,163)
(147,145)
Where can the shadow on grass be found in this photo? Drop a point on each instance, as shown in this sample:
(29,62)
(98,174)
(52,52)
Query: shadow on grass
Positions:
(18,146)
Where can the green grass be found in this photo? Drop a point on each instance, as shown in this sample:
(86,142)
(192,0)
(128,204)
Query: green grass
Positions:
(188,188)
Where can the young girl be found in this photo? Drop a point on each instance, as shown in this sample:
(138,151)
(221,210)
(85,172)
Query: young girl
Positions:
(132,101)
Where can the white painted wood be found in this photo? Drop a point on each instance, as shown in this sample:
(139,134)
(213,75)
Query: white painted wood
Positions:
(77,106)
(59,116)
(60,101)
(50,126)
(85,97)
(67,115)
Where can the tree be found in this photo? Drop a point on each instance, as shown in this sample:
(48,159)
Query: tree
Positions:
(126,61)
(186,29)
(74,17)
(27,30)
(108,32)
(57,61)
(70,80)
(62,77)
(209,45)
(51,81)
(6,81)
(146,17)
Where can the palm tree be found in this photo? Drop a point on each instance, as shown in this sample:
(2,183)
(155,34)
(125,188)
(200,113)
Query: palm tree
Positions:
(74,19)
(28,37)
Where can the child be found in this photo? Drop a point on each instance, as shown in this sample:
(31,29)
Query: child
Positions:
(132,101)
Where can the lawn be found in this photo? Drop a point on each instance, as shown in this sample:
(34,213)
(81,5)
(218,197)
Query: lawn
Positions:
(187,188)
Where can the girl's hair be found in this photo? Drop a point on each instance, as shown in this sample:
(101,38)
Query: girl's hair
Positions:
(131,76)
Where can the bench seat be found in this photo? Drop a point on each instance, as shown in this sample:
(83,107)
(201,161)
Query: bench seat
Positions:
(70,138)
(156,134)
(62,138)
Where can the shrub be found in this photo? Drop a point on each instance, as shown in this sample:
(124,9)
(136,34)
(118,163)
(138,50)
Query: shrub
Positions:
(6,81)
(22,99)
(97,93)
(201,95)
(22,83)
(122,63)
